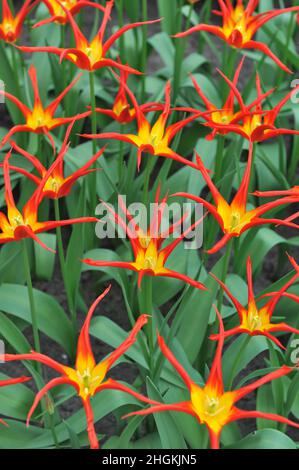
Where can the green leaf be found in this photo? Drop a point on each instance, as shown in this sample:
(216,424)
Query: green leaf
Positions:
(170,434)
(51,318)
(265,439)
(44,259)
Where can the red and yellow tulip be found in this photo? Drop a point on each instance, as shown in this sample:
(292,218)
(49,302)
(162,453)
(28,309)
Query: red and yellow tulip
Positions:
(239,26)
(154,139)
(254,320)
(210,404)
(234,218)
(40,119)
(11,25)
(17,225)
(149,256)
(87,377)
(58,14)
(56,184)
(91,55)
(122,111)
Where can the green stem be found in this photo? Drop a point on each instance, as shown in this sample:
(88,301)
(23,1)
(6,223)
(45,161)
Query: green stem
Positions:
(31,297)
(144,48)
(179,54)
(120,9)
(63,267)
(93,131)
(94,142)
(219,157)
(226,260)
(237,361)
(147,306)
(147,175)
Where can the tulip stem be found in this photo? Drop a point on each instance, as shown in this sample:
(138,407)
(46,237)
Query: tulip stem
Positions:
(144,48)
(179,51)
(63,266)
(147,308)
(237,361)
(31,299)
(225,266)
(93,131)
(120,8)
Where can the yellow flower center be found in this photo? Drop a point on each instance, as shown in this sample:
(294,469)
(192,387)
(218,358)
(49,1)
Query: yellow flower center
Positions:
(52,184)
(149,263)
(93,51)
(17,221)
(212,407)
(8,28)
(39,118)
(254,320)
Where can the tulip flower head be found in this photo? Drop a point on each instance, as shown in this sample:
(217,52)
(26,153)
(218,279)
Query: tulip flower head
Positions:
(87,377)
(254,320)
(211,405)
(11,25)
(24,224)
(234,218)
(58,14)
(239,26)
(253,122)
(40,119)
(122,111)
(154,139)
(225,116)
(149,256)
(91,55)
(6,383)
(56,185)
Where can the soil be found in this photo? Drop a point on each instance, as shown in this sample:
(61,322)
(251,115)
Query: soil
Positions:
(113,305)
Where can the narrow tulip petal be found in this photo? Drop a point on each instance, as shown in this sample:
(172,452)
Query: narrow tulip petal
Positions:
(30,50)
(281,372)
(12,131)
(53,383)
(182,277)
(111,384)
(266,50)
(131,339)
(34,356)
(227,333)
(54,105)
(174,362)
(168,153)
(184,407)
(239,307)
(31,158)
(202,27)
(22,107)
(85,358)
(18,380)
(242,414)
(49,225)
(215,377)
(222,242)
(113,63)
(112,264)
(107,45)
